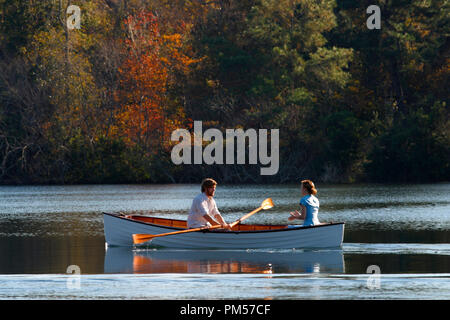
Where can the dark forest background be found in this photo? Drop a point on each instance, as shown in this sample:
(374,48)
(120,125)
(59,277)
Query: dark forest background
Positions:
(98,104)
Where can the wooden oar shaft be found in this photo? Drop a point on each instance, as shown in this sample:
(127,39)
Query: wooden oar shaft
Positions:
(139,238)
(245,217)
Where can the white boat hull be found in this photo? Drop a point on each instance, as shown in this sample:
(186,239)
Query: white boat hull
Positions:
(119,230)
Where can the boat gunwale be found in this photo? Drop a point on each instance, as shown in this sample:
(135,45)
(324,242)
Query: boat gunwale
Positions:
(286,227)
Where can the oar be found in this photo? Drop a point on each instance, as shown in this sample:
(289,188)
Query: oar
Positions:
(139,238)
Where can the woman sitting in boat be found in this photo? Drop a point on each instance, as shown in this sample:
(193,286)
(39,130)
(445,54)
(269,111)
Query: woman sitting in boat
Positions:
(309,205)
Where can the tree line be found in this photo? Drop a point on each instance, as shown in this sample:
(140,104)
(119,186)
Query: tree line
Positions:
(98,104)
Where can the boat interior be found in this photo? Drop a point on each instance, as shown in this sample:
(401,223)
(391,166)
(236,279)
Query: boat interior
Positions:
(183,224)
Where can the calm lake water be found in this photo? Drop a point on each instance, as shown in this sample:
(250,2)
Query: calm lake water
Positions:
(396,245)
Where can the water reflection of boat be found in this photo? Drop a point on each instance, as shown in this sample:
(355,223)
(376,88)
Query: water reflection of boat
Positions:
(125,260)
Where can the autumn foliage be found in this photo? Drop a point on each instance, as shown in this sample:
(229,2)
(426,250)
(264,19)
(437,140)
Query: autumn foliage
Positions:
(146,116)
(98,104)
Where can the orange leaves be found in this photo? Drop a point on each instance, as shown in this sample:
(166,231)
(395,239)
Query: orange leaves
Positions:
(145,77)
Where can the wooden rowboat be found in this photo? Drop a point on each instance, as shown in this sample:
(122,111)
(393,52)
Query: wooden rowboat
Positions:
(120,228)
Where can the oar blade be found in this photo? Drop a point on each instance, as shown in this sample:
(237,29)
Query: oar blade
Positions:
(140,238)
(267,204)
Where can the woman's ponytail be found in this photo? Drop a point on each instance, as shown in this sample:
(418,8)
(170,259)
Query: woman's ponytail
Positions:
(309,186)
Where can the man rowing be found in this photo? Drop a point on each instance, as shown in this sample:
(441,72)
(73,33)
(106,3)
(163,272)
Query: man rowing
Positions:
(204,210)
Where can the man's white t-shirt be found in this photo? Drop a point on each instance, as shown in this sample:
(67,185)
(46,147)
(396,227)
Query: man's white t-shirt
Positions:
(201,205)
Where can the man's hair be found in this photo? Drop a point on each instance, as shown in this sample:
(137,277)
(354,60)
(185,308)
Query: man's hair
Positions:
(208,183)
